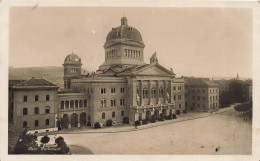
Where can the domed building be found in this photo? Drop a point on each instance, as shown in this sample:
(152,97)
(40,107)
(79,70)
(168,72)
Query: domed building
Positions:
(123,88)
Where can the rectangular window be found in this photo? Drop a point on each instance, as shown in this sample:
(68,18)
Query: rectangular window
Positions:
(113,102)
(102,91)
(103,103)
(36,110)
(24,111)
(36,98)
(179,105)
(36,123)
(122,90)
(122,102)
(174,97)
(47,110)
(103,115)
(198,90)
(113,90)
(85,103)
(203,97)
(47,97)
(174,88)
(25,98)
(179,88)
(193,97)
(198,98)
(122,113)
(203,91)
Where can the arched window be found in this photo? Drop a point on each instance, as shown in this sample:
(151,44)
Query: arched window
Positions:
(71,104)
(25,124)
(47,122)
(62,105)
(76,104)
(80,103)
(103,115)
(24,111)
(47,109)
(36,110)
(67,104)
(113,114)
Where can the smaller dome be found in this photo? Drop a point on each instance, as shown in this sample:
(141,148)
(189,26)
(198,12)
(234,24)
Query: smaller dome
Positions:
(72,58)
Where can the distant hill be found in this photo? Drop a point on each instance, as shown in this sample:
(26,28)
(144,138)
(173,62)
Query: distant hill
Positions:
(52,74)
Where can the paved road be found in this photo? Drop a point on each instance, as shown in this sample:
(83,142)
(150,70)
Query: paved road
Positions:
(200,136)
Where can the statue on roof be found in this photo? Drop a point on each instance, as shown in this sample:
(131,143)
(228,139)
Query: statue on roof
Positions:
(153,59)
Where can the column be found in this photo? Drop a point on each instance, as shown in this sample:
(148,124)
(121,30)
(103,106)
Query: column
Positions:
(78,121)
(170,91)
(141,92)
(165,91)
(133,92)
(149,92)
(69,126)
(157,92)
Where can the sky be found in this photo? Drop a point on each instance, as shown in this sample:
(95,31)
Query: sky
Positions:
(202,42)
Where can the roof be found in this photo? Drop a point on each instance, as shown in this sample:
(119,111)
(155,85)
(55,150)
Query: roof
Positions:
(14,82)
(200,82)
(72,58)
(34,83)
(125,31)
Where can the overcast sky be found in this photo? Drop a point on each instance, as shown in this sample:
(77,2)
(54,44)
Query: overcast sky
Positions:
(193,41)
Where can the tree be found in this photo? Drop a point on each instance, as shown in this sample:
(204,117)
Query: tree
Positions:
(24,142)
(45,139)
(59,140)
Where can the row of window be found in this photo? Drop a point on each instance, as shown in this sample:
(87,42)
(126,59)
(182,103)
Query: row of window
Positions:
(36,123)
(132,53)
(212,98)
(36,98)
(203,105)
(113,114)
(113,90)
(72,104)
(153,94)
(178,97)
(36,110)
(112,102)
(203,91)
(111,53)
(179,88)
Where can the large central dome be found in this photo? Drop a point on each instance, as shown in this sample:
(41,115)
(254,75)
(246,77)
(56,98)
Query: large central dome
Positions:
(124,47)
(125,32)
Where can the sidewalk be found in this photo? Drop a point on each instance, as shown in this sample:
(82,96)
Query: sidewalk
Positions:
(129,128)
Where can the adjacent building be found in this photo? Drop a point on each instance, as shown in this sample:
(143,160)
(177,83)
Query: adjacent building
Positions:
(201,95)
(33,104)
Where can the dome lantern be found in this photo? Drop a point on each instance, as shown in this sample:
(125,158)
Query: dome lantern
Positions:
(124,21)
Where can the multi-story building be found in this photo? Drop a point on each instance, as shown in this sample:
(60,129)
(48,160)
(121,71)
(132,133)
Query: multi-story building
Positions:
(34,105)
(124,85)
(201,94)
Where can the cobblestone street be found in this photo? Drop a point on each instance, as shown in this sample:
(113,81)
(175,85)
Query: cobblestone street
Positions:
(226,131)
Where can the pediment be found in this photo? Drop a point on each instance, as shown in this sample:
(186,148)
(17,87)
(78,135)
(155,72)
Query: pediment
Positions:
(154,70)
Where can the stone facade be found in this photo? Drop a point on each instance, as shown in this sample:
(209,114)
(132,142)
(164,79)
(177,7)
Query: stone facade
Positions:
(34,105)
(201,95)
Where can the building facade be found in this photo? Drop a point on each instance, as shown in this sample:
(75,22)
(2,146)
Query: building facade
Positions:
(201,95)
(124,85)
(34,105)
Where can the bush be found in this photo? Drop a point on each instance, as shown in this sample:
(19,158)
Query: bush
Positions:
(137,123)
(178,112)
(89,123)
(97,125)
(109,123)
(169,117)
(161,119)
(45,139)
(174,116)
(126,120)
(59,140)
(184,112)
(145,122)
